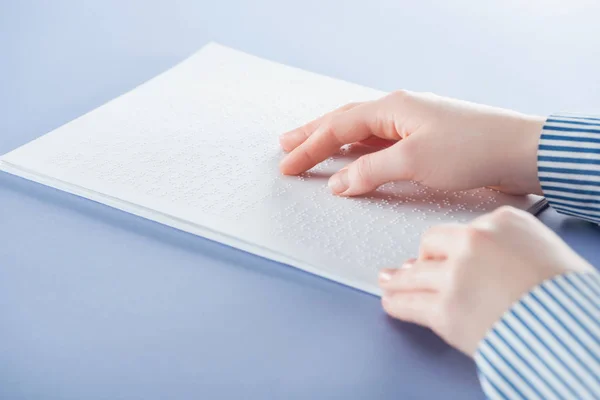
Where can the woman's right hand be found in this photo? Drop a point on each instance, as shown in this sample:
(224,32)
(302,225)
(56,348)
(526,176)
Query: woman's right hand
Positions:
(468,276)
(440,142)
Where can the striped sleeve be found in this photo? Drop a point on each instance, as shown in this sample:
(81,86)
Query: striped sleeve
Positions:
(547,345)
(569,165)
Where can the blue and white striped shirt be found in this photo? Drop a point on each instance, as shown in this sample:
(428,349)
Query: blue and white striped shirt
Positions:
(547,346)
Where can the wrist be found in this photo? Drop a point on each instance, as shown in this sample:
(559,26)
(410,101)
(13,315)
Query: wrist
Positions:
(525,175)
(532,130)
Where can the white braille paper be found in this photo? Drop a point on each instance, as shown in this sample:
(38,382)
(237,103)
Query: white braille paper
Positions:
(196,148)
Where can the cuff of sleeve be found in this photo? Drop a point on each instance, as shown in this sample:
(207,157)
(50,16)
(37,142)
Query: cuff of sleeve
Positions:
(547,345)
(569,165)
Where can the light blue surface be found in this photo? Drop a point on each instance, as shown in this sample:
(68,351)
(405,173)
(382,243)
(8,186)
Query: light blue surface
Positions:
(98,304)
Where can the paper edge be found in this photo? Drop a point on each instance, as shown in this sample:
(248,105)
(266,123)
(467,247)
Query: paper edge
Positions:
(197,229)
(177,64)
(182,225)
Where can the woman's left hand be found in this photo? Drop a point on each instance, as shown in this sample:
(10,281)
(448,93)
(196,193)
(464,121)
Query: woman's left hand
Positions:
(467,276)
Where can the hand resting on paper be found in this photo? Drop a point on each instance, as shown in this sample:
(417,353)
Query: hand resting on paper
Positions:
(504,283)
(440,142)
(467,276)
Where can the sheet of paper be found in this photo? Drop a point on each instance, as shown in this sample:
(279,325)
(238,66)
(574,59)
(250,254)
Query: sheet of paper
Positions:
(197,148)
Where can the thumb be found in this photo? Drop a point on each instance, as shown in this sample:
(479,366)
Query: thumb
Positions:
(373,170)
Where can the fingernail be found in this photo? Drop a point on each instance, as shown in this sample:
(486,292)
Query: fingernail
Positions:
(288,139)
(408,264)
(385,275)
(283,143)
(338,183)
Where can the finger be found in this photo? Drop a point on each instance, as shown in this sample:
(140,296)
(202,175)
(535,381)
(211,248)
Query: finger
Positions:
(422,275)
(484,222)
(491,221)
(292,139)
(415,307)
(437,242)
(348,127)
(388,273)
(373,170)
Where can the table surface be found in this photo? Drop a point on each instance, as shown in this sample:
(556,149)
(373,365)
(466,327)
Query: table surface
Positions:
(99,304)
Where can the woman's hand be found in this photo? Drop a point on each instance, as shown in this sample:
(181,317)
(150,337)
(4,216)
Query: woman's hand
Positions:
(440,142)
(467,276)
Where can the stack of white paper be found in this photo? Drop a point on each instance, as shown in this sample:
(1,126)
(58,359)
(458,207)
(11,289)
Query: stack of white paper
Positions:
(197,148)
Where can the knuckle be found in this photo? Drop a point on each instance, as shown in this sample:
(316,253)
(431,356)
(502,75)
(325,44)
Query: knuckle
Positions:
(307,129)
(503,218)
(398,97)
(307,155)
(327,126)
(504,213)
(381,121)
(507,215)
(399,94)
(330,128)
(487,225)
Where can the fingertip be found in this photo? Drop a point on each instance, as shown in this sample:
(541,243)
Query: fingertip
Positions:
(284,167)
(292,139)
(338,183)
(283,144)
(289,141)
(290,165)
(386,275)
